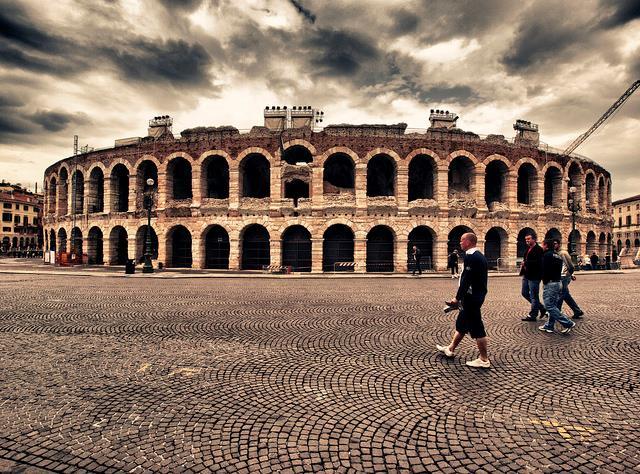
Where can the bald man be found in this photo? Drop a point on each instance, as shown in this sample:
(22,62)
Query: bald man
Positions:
(470,297)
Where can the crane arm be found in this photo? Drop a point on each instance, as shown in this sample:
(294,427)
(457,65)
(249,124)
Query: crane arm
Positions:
(578,141)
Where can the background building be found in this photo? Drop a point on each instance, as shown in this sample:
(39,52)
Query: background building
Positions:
(626,224)
(284,194)
(21,229)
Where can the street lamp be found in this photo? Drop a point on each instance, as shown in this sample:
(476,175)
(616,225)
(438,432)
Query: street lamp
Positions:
(574,207)
(148,203)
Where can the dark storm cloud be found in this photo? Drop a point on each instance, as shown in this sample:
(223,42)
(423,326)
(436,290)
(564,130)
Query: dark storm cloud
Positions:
(306,13)
(404,22)
(54,121)
(174,61)
(340,53)
(184,5)
(17,27)
(460,94)
(620,12)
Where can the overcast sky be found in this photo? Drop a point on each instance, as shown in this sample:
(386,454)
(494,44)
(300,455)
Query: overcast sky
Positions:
(102,69)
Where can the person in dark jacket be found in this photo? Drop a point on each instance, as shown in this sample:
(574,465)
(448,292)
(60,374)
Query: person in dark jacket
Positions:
(551,274)
(531,272)
(452,263)
(472,291)
(594,259)
(415,257)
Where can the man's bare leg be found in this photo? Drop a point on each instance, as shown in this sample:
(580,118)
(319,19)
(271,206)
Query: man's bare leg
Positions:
(482,348)
(457,338)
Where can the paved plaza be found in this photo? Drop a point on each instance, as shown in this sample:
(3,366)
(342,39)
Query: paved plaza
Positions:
(114,374)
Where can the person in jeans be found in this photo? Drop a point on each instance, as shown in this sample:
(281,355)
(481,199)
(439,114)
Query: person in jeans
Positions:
(567,277)
(415,256)
(531,272)
(551,272)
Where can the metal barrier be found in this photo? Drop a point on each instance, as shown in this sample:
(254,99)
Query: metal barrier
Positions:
(277,268)
(344,266)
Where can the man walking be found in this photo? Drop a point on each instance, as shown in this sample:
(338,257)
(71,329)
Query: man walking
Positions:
(566,277)
(452,263)
(415,256)
(469,298)
(551,270)
(531,272)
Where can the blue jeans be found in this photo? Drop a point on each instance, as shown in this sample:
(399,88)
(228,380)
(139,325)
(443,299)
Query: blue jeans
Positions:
(566,296)
(531,293)
(551,295)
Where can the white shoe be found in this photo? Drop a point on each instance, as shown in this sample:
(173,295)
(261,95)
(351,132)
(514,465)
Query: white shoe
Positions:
(479,363)
(445,350)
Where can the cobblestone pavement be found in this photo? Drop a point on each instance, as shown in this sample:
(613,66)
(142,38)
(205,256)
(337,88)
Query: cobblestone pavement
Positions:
(112,375)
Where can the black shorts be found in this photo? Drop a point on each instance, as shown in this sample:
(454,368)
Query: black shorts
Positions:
(469,320)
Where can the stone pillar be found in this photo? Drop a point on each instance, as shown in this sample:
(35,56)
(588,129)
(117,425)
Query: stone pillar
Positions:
(234,254)
(106,249)
(478,187)
(275,252)
(512,252)
(162,191)
(360,254)
(400,256)
(131,196)
(511,189)
(196,185)
(197,252)
(107,194)
(275,188)
(440,254)
(317,192)
(234,189)
(402,191)
(86,197)
(442,185)
(361,189)
(162,245)
(131,247)
(316,255)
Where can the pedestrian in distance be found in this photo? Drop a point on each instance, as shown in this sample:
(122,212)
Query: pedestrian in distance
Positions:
(531,273)
(594,261)
(416,255)
(452,263)
(551,277)
(469,298)
(566,277)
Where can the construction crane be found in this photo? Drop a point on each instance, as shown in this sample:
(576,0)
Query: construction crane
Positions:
(623,98)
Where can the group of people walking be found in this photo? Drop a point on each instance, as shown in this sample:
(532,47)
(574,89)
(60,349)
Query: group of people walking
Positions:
(547,264)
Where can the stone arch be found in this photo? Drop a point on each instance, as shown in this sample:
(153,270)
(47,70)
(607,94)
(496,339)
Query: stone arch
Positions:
(255,247)
(52,240)
(575,240)
(63,192)
(119,179)
(527,181)
(96,189)
(297,248)
(592,243)
(62,240)
(52,195)
(179,247)
(118,245)
(141,242)
(95,246)
(355,159)
(382,172)
(293,153)
(591,193)
(575,175)
(461,175)
(77,192)
(602,244)
(602,194)
(496,179)
(339,174)
(423,237)
(216,247)
(381,241)
(496,247)
(254,176)
(423,176)
(337,246)
(453,239)
(521,245)
(146,169)
(552,185)
(179,177)
(214,175)
(76,242)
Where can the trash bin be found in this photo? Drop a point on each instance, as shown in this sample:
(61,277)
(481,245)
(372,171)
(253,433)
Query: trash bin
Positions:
(130,267)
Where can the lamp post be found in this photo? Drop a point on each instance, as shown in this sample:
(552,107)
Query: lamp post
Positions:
(574,207)
(148,203)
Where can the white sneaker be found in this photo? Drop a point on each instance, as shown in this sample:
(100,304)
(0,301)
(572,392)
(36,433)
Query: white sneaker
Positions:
(479,363)
(445,350)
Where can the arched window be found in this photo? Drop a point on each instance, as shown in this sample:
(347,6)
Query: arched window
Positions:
(421,178)
(552,186)
(527,177)
(77,193)
(120,188)
(495,182)
(95,246)
(96,191)
(255,248)
(461,180)
(118,246)
(297,154)
(495,247)
(179,248)
(179,179)
(255,176)
(380,249)
(215,177)
(296,248)
(337,246)
(146,170)
(381,176)
(453,241)
(141,243)
(216,248)
(63,193)
(338,174)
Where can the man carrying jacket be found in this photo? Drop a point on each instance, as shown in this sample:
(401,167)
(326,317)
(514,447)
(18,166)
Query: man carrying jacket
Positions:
(531,272)
(566,278)
(469,298)
(551,271)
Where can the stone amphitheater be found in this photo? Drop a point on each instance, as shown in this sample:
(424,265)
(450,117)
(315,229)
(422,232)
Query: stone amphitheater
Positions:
(285,194)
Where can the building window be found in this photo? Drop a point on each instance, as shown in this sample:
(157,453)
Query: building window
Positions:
(26,208)
(619,221)
(7,217)
(628,208)
(628,221)
(25,220)
(17,206)
(6,205)
(16,219)
(6,229)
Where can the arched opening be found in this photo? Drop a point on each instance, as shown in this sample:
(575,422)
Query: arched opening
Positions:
(636,243)
(53,192)
(460,177)
(76,242)
(619,246)
(179,247)
(255,248)
(297,154)
(141,242)
(453,240)
(96,191)
(552,187)
(118,246)
(422,178)
(62,241)
(6,244)
(296,189)
(255,176)
(495,247)
(592,244)
(95,246)
(592,195)
(602,245)
(338,175)
(337,246)
(602,195)
(422,237)
(296,248)
(575,241)
(146,170)
(381,176)
(215,177)
(77,193)
(521,245)
(179,179)
(120,188)
(380,249)
(52,240)
(575,180)
(216,248)
(527,177)
(495,182)
(63,193)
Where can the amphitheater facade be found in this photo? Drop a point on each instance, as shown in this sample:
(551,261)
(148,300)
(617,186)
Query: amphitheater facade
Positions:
(286,195)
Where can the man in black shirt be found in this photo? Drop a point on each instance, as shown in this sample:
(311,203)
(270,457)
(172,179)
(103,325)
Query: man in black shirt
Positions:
(551,274)
(530,271)
(470,297)
(415,256)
